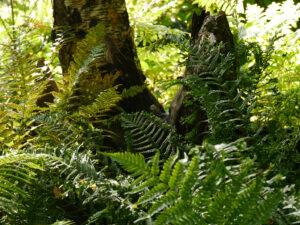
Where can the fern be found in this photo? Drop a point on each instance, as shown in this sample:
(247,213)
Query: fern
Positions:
(161,36)
(146,134)
(228,6)
(219,193)
(133,163)
(132,91)
(66,128)
(22,83)
(81,79)
(214,88)
(18,174)
(63,223)
(103,103)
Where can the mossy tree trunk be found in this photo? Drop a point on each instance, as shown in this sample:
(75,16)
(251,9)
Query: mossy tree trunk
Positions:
(79,16)
(205,29)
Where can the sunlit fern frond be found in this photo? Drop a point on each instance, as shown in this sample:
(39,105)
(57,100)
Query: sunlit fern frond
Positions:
(65,222)
(22,84)
(203,189)
(228,6)
(132,91)
(84,78)
(155,37)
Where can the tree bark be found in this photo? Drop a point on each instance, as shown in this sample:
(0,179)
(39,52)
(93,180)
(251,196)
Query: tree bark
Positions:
(81,15)
(205,28)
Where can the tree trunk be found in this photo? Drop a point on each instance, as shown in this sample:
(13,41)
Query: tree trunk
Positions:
(81,15)
(214,30)
(121,57)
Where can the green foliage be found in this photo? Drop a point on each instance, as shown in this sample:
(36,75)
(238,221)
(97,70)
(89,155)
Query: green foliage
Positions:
(132,91)
(53,168)
(228,6)
(146,134)
(159,45)
(34,15)
(134,163)
(68,140)
(81,76)
(246,103)
(22,83)
(211,187)
(214,89)
(18,173)
(280,20)
(63,223)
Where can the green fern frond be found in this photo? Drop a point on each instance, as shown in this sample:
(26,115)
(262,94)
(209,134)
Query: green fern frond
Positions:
(68,222)
(146,133)
(190,179)
(173,214)
(17,171)
(160,37)
(167,167)
(102,104)
(157,191)
(22,84)
(84,77)
(208,189)
(132,91)
(87,51)
(168,199)
(228,6)
(134,163)
(63,130)
(218,94)
(177,176)
(155,165)
(143,182)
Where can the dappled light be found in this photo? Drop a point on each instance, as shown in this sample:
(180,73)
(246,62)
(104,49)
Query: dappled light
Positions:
(152,112)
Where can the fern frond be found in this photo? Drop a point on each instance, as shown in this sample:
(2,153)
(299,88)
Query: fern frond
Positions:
(134,163)
(214,73)
(167,167)
(68,222)
(156,191)
(190,179)
(146,133)
(84,77)
(132,91)
(208,189)
(161,36)
(228,6)
(172,214)
(167,200)
(102,104)
(155,165)
(17,171)
(22,84)
(177,176)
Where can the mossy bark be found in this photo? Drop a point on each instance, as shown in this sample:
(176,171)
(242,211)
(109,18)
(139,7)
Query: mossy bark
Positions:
(78,16)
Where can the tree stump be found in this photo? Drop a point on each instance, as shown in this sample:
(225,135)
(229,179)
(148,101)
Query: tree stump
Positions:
(214,30)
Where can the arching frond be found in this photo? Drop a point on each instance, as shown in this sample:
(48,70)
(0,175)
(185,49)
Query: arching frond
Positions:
(146,134)
(201,190)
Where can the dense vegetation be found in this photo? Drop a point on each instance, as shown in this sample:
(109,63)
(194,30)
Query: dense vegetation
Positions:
(61,163)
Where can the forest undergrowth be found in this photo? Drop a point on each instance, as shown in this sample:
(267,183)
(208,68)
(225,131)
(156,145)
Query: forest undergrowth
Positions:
(62,161)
